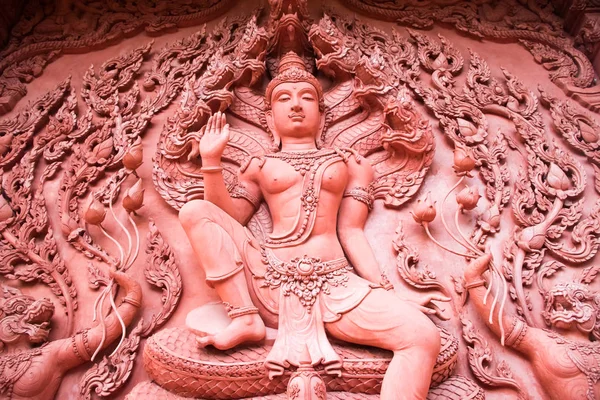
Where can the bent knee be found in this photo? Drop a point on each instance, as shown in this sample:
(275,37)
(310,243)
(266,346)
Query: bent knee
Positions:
(194,211)
(427,336)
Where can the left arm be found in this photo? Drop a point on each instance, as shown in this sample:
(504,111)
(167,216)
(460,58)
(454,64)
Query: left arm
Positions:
(351,222)
(352,217)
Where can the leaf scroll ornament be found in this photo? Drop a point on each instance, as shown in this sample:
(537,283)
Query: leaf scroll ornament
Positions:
(161,271)
(110,374)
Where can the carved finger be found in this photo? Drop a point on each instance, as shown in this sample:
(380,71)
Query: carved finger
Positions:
(213,124)
(226,131)
(223,120)
(218,121)
(439,312)
(427,310)
(439,297)
(208,125)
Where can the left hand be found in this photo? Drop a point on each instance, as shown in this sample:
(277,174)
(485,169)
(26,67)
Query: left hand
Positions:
(425,303)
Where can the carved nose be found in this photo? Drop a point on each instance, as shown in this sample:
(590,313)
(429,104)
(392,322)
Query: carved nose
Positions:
(296,107)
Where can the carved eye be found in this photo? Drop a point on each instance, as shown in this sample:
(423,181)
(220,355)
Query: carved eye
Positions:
(283,98)
(308,98)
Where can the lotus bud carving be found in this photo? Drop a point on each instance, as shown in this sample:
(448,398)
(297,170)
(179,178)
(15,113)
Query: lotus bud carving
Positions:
(490,220)
(463,161)
(469,131)
(95,212)
(587,132)
(467,198)
(531,238)
(103,150)
(556,178)
(424,211)
(466,128)
(134,197)
(134,157)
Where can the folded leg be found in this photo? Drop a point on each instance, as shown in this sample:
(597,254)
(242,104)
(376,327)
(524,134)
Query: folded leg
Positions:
(218,240)
(383,320)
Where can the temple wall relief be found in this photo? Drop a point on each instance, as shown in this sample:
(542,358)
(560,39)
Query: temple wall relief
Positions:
(480,122)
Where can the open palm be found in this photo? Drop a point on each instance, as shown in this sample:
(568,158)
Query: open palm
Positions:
(215,138)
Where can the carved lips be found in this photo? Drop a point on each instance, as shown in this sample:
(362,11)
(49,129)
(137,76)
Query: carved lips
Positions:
(297,117)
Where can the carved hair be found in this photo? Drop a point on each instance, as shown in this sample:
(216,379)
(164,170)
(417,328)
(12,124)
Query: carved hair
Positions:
(292,69)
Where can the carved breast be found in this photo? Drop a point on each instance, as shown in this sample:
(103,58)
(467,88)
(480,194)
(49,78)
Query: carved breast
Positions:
(278,176)
(335,178)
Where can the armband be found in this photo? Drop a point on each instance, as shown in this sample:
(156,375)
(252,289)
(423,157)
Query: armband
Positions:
(239,191)
(475,284)
(131,301)
(362,194)
(516,335)
(81,346)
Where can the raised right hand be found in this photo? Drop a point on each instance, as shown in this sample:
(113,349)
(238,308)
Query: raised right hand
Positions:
(214,140)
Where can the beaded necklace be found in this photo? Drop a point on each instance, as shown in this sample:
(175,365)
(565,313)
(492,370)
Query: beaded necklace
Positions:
(302,161)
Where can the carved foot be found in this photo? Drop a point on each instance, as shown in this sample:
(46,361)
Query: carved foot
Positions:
(243,329)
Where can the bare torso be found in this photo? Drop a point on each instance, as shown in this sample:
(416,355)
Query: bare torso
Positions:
(282,187)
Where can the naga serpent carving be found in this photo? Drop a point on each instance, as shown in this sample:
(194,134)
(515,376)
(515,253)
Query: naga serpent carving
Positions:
(413,111)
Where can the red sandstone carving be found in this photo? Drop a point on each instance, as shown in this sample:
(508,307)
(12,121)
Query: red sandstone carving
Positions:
(171,355)
(75,27)
(309,287)
(23,318)
(112,372)
(455,388)
(369,106)
(481,359)
(29,251)
(537,28)
(404,140)
(566,362)
(161,271)
(37,373)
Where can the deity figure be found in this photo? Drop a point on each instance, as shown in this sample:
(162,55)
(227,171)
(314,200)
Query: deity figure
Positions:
(301,278)
(564,360)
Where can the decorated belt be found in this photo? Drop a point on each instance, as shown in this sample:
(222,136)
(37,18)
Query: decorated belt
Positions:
(304,266)
(305,277)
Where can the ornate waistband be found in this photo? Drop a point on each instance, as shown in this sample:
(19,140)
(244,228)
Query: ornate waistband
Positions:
(305,277)
(304,266)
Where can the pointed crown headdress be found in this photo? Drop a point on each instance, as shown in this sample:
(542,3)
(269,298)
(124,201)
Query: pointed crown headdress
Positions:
(292,69)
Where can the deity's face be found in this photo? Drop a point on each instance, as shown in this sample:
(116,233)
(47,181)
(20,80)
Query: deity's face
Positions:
(295,111)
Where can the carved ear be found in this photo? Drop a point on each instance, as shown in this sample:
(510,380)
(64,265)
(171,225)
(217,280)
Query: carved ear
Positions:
(271,127)
(319,138)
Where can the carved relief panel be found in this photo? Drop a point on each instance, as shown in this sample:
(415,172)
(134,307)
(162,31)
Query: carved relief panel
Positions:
(478,122)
